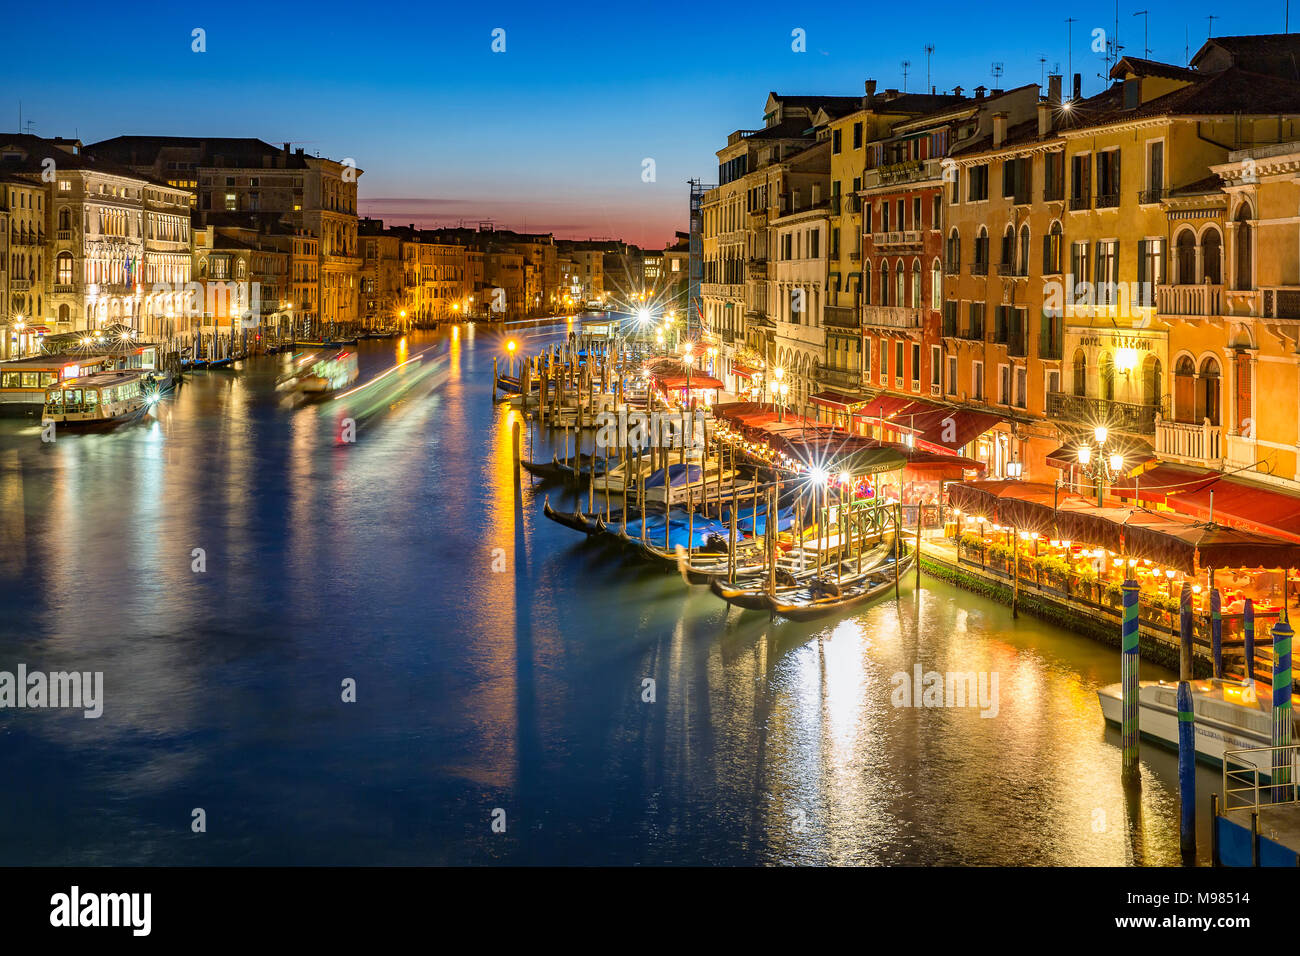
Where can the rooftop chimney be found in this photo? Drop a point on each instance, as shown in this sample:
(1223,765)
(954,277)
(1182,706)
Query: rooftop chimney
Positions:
(871,90)
(999,128)
(956,91)
(1078,86)
(979,92)
(1054,90)
(286,148)
(1044,118)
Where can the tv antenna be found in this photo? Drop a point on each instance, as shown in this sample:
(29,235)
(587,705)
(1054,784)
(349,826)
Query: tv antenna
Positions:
(1069,47)
(1146,23)
(1042,71)
(906,65)
(1211,18)
(997,75)
(929,52)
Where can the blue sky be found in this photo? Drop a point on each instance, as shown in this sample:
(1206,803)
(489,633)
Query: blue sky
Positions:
(552,133)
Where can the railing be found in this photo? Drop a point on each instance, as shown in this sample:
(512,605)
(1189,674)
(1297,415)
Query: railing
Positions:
(855,255)
(20,285)
(756,268)
(949,328)
(1201,443)
(1083,201)
(1153,195)
(910,237)
(1189,299)
(907,171)
(64,287)
(63,234)
(1050,350)
(1107,200)
(1281,302)
(979,268)
(891,316)
(1053,193)
(973,332)
(951,268)
(1243,786)
(1119,416)
(843,377)
(841,317)
(1012,269)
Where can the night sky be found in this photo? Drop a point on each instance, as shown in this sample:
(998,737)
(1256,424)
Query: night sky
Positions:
(551,134)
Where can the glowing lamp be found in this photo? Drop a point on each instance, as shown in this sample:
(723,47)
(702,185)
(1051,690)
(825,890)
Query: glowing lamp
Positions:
(1085,454)
(1100,433)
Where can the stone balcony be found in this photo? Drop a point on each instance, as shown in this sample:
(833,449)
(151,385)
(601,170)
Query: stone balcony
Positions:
(1190,443)
(841,317)
(839,377)
(891,317)
(896,239)
(1118,416)
(902,173)
(1189,299)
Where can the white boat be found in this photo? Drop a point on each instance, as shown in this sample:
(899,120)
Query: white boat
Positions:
(316,375)
(1230,715)
(102,400)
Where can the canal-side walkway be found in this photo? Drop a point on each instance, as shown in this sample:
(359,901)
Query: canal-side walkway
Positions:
(1158,634)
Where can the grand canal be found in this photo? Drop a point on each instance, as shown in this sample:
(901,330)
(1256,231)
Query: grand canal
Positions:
(499,662)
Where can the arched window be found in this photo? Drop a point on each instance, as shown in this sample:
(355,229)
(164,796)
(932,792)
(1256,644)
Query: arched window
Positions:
(1080,373)
(1008,246)
(65,218)
(953,252)
(866,286)
(982,251)
(1022,259)
(1106,369)
(1152,381)
(884,282)
(1053,250)
(900,282)
(1185,254)
(1212,257)
(63,269)
(65,314)
(1245,278)
(936,284)
(1207,391)
(1184,390)
(916,283)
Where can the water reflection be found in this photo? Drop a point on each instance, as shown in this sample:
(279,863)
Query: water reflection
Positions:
(485,683)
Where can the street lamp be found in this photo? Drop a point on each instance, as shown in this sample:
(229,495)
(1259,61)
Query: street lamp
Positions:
(1100,467)
(688,360)
(19,325)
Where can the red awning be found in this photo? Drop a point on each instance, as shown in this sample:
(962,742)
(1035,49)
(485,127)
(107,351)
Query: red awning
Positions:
(882,405)
(1163,482)
(948,429)
(697,382)
(1243,505)
(834,400)
(745,370)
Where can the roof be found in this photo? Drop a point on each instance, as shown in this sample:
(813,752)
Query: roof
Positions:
(1272,53)
(223,152)
(786,129)
(1137,66)
(35,149)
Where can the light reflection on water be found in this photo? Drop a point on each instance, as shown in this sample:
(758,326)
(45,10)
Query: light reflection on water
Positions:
(518,687)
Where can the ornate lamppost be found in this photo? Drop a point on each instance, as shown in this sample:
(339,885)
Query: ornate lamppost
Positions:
(1097,464)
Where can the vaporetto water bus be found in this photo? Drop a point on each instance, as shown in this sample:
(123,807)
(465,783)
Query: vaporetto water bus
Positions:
(100,401)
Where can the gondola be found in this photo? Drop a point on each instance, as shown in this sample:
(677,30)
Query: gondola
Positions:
(577,520)
(823,596)
(545,470)
(751,592)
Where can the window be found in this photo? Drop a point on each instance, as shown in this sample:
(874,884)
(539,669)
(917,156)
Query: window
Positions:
(63,269)
(978,183)
(1004,384)
(936,208)
(866,356)
(1107,273)
(1053,381)
(884,282)
(1211,257)
(835,141)
(916,212)
(936,284)
(1081,181)
(884,217)
(1022,386)
(232,202)
(900,284)
(1079,271)
(1155,172)
(980,266)
(977,381)
(1151,269)
(935,368)
(952,252)
(916,366)
(1245,279)
(884,362)
(952,375)
(975,321)
(898,363)
(1016,179)
(916,283)
(1080,370)
(1108,178)
(857,135)
(1052,248)
(1053,177)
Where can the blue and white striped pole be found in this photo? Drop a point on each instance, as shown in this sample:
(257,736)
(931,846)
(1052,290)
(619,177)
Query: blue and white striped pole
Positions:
(1282,635)
(1128,663)
(1186,730)
(1216,631)
(1248,623)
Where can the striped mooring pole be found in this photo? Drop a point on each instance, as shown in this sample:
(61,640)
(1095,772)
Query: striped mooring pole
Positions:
(1129,660)
(1282,635)
(1248,623)
(1186,729)
(1216,631)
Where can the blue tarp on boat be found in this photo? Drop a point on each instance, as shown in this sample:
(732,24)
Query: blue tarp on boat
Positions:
(784,521)
(678,475)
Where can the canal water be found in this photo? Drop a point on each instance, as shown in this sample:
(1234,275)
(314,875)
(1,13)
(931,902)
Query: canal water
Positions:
(229,566)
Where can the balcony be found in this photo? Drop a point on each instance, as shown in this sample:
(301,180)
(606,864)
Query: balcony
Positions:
(1053,192)
(1189,299)
(1191,443)
(855,255)
(1082,201)
(1107,200)
(1281,302)
(19,285)
(887,240)
(841,317)
(979,268)
(1118,416)
(891,317)
(973,332)
(756,268)
(1151,196)
(908,171)
(840,377)
(1013,269)
(63,234)
(64,288)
